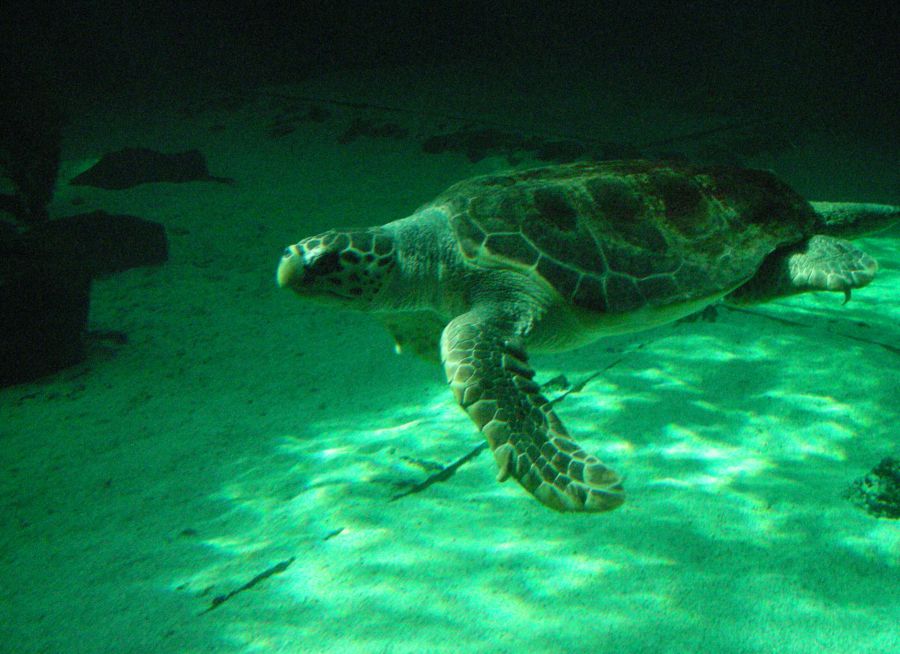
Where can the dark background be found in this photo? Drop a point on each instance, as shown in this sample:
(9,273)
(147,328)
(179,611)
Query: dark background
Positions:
(839,57)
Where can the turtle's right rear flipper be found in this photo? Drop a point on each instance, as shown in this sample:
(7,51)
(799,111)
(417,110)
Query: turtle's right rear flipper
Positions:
(821,263)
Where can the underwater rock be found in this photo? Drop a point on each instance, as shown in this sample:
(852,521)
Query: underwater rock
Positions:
(133,166)
(878,492)
(101,243)
(362,127)
(45,304)
(288,121)
(477,144)
(45,282)
(30,144)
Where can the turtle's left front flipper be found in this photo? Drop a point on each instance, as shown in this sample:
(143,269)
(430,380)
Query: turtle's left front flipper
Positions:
(488,371)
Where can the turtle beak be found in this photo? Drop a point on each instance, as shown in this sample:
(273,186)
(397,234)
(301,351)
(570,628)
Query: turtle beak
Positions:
(291,269)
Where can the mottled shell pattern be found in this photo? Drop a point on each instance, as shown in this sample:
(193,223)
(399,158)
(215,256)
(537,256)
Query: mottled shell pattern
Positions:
(617,236)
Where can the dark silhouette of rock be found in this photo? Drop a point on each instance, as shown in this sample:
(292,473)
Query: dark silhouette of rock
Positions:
(45,281)
(45,304)
(133,166)
(30,144)
(101,243)
(363,127)
(46,266)
(477,144)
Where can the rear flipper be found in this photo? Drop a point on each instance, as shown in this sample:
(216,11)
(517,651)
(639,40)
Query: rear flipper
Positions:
(822,263)
(855,219)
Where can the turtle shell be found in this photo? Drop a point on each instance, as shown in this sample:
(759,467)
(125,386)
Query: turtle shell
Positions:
(617,236)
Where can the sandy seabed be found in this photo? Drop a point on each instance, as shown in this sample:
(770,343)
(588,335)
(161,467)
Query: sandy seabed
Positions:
(239,429)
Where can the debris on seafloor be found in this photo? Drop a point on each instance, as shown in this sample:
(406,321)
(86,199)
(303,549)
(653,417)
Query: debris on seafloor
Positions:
(878,492)
(133,166)
(265,574)
(443,474)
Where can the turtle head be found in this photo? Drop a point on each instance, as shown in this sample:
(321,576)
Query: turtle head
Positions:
(349,267)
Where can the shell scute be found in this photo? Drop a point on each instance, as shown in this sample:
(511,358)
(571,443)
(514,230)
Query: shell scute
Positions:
(623,294)
(562,278)
(590,294)
(513,246)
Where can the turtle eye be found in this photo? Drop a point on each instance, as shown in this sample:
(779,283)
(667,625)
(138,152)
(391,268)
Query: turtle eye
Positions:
(328,263)
(286,254)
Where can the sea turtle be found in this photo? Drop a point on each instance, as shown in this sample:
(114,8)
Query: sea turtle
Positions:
(552,258)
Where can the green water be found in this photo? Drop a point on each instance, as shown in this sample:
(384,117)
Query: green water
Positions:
(238,476)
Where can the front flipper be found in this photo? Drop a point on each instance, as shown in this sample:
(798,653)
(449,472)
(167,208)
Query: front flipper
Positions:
(822,263)
(416,332)
(488,371)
